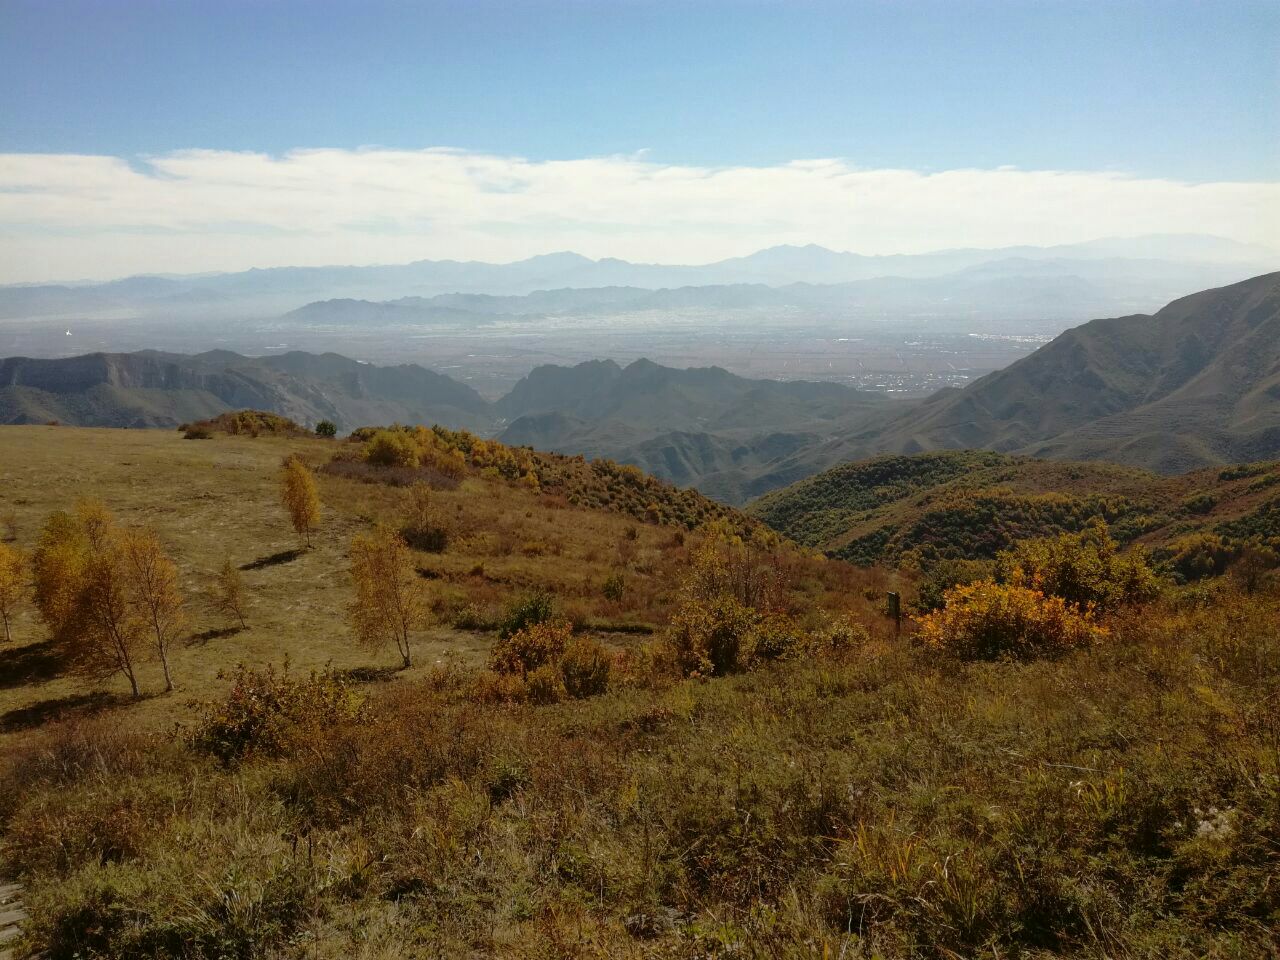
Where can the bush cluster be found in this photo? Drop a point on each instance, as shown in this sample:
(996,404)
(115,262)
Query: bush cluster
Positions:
(989,620)
(266,710)
(545,662)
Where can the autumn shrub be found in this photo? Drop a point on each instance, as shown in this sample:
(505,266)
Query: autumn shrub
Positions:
(539,644)
(265,708)
(544,685)
(942,575)
(773,637)
(585,667)
(1253,566)
(1086,569)
(491,686)
(989,620)
(708,636)
(391,448)
(526,611)
(1199,555)
(839,634)
(614,588)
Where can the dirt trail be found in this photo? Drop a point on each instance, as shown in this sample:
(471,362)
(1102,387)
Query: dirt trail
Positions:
(11,916)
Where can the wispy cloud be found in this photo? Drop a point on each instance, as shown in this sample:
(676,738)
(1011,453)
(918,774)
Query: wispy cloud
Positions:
(95,216)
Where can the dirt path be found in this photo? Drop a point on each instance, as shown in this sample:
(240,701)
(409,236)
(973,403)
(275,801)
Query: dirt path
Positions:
(11,915)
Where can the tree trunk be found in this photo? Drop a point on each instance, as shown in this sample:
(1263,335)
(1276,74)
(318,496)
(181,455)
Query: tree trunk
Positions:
(164,662)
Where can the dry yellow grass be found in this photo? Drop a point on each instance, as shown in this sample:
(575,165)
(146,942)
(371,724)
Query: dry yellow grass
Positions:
(210,499)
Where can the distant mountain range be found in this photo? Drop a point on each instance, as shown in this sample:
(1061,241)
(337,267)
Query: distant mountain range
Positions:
(1196,384)
(1072,282)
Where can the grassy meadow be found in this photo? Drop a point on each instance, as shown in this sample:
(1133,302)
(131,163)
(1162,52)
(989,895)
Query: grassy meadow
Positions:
(812,786)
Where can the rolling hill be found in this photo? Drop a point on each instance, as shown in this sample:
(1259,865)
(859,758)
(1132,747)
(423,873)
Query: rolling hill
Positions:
(149,389)
(971,504)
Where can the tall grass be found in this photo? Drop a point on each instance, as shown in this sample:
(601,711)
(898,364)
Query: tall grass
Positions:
(877,799)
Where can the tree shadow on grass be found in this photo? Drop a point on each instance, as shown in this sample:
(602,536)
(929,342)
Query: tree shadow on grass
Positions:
(34,663)
(217,633)
(60,708)
(370,674)
(275,559)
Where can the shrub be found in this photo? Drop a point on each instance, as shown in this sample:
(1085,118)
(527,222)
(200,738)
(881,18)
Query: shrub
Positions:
(528,610)
(1200,555)
(945,574)
(775,636)
(839,634)
(391,448)
(1251,567)
(544,685)
(585,667)
(490,686)
(614,588)
(264,707)
(708,636)
(988,620)
(197,433)
(1084,568)
(326,428)
(537,645)
(1200,503)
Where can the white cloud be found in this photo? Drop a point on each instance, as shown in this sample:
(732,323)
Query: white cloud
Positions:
(71,216)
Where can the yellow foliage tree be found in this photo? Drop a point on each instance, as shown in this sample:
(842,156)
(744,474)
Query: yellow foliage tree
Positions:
(300,497)
(154,592)
(389,603)
(59,566)
(14,586)
(229,593)
(95,521)
(112,633)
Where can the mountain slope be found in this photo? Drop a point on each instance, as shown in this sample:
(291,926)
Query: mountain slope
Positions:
(1196,384)
(149,389)
(971,504)
(702,427)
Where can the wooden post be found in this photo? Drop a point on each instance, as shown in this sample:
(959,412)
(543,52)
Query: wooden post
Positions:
(895,611)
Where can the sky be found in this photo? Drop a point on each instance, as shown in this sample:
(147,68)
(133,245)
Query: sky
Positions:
(179,136)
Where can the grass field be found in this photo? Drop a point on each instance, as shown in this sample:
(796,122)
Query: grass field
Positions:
(219,498)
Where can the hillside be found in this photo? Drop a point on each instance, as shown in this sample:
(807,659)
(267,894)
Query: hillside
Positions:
(701,427)
(1196,384)
(811,785)
(150,389)
(972,504)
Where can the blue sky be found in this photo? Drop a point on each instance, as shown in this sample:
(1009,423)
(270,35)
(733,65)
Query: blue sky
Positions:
(1166,88)
(159,135)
